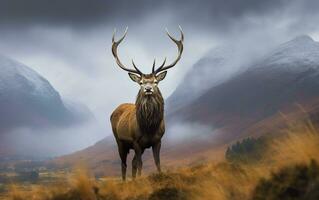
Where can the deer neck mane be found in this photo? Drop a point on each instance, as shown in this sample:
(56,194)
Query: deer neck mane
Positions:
(149,111)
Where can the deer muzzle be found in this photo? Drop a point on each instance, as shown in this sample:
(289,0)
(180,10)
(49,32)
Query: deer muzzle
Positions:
(148,89)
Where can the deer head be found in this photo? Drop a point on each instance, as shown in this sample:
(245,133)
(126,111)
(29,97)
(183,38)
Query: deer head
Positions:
(148,82)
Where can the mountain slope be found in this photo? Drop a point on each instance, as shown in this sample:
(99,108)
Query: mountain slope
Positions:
(29,100)
(217,66)
(287,75)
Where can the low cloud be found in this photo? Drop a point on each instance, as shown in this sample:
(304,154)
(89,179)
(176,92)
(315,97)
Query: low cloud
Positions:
(181,131)
(52,141)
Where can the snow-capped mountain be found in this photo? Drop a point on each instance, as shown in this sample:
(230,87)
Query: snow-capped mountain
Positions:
(212,69)
(16,77)
(302,50)
(29,100)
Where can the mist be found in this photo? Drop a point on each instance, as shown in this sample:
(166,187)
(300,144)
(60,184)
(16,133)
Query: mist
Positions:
(181,132)
(50,142)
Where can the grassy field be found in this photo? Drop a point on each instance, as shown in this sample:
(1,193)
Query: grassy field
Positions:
(287,169)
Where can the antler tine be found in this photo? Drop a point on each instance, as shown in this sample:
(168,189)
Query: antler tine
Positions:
(163,62)
(179,44)
(153,68)
(115,44)
(136,67)
(154,62)
(122,38)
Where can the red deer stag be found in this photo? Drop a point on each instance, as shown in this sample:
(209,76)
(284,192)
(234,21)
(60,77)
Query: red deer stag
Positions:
(141,125)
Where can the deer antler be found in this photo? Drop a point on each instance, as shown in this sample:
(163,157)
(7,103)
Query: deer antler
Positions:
(114,51)
(179,44)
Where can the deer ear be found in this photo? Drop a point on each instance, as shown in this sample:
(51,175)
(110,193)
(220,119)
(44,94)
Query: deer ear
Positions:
(161,76)
(135,77)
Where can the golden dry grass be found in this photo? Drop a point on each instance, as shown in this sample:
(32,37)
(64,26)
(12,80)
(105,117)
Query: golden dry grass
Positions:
(223,180)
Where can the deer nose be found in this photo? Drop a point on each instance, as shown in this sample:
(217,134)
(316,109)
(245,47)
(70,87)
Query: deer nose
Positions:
(148,88)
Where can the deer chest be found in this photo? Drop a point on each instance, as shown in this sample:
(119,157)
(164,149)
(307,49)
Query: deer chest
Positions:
(147,141)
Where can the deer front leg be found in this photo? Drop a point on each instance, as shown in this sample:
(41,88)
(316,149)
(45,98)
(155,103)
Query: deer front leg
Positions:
(140,164)
(134,166)
(123,155)
(137,160)
(156,154)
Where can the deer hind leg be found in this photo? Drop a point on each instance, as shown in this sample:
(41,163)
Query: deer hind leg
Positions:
(123,155)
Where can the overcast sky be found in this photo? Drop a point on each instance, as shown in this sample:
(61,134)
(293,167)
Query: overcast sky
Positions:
(69,42)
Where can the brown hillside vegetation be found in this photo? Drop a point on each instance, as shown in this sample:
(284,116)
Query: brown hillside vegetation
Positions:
(288,170)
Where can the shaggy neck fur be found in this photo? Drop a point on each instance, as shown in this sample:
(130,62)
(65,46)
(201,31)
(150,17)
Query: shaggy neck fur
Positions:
(149,111)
